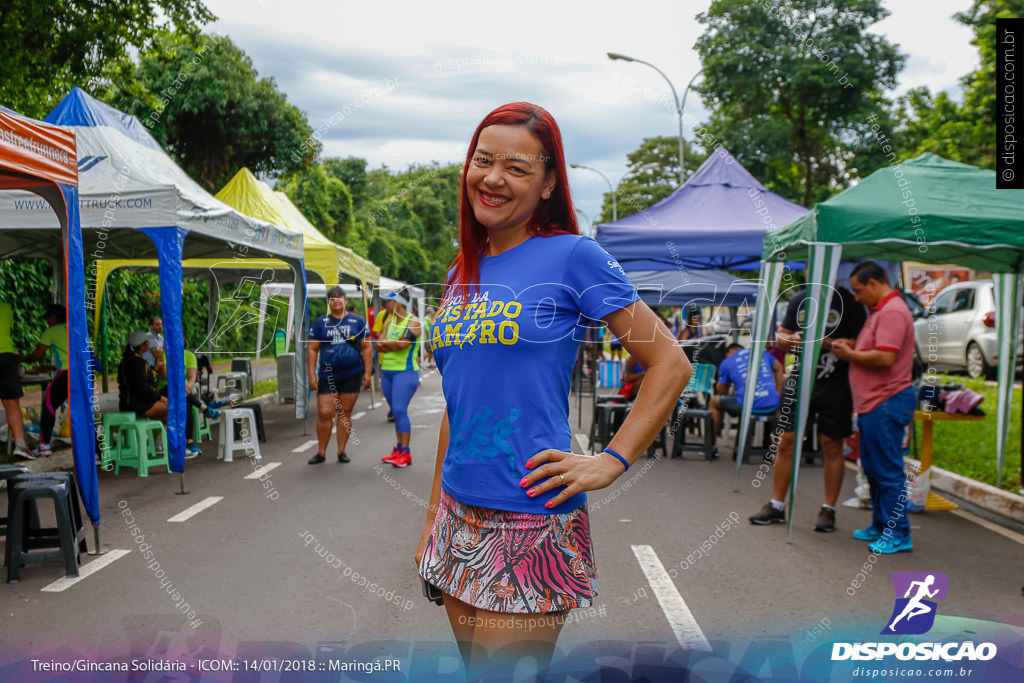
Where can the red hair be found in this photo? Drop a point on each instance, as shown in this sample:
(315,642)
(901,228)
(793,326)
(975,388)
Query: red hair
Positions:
(553,216)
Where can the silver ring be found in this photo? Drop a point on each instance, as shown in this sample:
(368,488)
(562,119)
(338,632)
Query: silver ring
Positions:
(562,477)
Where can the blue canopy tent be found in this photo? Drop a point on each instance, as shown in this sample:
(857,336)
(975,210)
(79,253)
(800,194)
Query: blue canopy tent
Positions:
(130,188)
(699,287)
(40,159)
(717,220)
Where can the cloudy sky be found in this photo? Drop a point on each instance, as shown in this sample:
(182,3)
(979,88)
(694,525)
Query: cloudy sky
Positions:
(407,82)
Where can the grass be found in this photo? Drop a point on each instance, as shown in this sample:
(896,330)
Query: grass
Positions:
(969,448)
(265,386)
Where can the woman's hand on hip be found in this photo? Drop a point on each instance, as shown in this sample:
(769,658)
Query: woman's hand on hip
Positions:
(580,473)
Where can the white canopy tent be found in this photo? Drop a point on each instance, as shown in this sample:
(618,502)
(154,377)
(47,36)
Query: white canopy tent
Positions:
(319,290)
(137,203)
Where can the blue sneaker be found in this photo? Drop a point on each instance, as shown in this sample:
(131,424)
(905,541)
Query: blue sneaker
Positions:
(888,547)
(867,534)
(212,413)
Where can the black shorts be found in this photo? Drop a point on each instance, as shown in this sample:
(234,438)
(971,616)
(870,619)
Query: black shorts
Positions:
(831,406)
(10,380)
(350,384)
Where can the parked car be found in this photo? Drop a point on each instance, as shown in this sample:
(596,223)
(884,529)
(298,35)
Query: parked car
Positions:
(959,329)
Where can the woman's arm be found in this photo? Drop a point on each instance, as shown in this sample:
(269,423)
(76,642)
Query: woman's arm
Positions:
(398,344)
(648,340)
(435,490)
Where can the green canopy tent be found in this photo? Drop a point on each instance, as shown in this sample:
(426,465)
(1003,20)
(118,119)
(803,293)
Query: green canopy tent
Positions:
(928,210)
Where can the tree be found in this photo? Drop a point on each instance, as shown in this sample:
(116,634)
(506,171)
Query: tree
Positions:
(646,185)
(964,131)
(47,48)
(323,199)
(205,103)
(791,85)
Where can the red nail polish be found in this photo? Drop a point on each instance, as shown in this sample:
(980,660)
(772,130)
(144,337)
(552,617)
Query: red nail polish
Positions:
(523,482)
(529,464)
(531,492)
(547,504)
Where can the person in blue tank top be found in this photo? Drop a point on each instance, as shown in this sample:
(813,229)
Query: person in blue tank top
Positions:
(507,536)
(400,370)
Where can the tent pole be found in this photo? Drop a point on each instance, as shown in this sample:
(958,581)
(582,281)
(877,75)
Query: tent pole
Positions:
(182,491)
(104,344)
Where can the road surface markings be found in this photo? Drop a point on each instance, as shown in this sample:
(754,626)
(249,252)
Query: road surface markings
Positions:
(991,526)
(261,470)
(680,618)
(359,415)
(583,441)
(85,571)
(191,512)
(305,447)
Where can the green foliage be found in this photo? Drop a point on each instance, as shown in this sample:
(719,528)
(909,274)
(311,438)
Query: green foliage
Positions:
(790,85)
(27,286)
(323,199)
(204,102)
(46,48)
(964,131)
(406,222)
(643,187)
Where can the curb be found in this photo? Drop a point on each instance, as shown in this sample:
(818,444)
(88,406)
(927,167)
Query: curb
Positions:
(977,493)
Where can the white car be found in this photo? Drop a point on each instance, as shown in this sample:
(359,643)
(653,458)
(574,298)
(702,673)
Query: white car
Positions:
(959,329)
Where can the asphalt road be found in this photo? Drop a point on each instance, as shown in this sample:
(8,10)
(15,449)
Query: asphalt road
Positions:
(276,566)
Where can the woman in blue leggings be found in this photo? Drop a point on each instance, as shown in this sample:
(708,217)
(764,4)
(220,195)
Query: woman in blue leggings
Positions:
(400,369)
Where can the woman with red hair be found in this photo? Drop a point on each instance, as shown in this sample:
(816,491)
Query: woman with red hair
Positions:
(507,536)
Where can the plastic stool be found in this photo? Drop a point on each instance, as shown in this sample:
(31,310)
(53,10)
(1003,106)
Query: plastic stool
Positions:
(768,420)
(23,547)
(248,441)
(257,410)
(114,436)
(704,422)
(608,417)
(236,383)
(8,472)
(143,437)
(200,426)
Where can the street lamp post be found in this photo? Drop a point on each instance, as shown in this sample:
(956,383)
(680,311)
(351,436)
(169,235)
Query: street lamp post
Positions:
(675,96)
(615,207)
(615,189)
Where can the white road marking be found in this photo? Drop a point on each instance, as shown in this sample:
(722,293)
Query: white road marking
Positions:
(359,415)
(584,442)
(305,447)
(991,526)
(191,512)
(262,469)
(680,618)
(85,571)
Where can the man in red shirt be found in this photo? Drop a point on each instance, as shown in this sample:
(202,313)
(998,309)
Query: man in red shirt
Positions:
(881,363)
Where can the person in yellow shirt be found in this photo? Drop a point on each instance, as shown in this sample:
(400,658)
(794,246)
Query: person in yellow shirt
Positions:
(55,341)
(10,383)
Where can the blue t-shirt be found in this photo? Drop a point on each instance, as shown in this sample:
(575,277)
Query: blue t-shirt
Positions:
(340,345)
(733,370)
(505,358)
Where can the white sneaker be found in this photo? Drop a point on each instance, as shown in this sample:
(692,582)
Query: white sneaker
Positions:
(43,450)
(23,452)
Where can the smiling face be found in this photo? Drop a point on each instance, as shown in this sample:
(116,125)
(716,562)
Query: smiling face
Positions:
(507,178)
(337,304)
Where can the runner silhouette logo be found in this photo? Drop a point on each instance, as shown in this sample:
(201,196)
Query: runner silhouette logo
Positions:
(915,608)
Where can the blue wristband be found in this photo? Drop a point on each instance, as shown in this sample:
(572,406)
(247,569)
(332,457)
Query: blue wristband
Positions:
(618,457)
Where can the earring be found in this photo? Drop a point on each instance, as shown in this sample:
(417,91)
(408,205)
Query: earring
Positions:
(546,195)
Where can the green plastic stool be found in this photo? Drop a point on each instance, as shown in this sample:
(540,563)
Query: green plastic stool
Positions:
(115,436)
(142,452)
(200,426)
